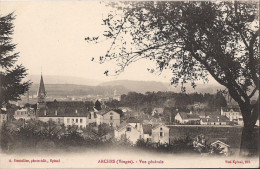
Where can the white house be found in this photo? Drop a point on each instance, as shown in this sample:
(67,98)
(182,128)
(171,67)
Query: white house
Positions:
(214,120)
(133,130)
(130,129)
(231,113)
(183,118)
(160,134)
(111,118)
(80,121)
(25,113)
(221,146)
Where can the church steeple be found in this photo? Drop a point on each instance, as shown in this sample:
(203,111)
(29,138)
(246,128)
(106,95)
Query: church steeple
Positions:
(41,93)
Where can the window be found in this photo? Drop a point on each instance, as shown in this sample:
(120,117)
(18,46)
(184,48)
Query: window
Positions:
(111,124)
(219,123)
(161,134)
(95,115)
(111,113)
(161,128)
(111,117)
(68,120)
(81,120)
(80,126)
(72,120)
(149,139)
(128,129)
(77,120)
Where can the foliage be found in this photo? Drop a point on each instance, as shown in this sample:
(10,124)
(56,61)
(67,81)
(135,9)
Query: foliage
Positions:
(11,75)
(192,39)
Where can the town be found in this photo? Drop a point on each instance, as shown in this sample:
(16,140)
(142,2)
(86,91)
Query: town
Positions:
(113,122)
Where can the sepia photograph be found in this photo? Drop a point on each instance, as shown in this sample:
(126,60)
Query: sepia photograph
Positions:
(129,84)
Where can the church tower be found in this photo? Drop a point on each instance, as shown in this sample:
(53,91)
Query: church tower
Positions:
(41,95)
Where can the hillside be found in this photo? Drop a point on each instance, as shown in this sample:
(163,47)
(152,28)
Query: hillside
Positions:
(78,90)
(52,79)
(138,86)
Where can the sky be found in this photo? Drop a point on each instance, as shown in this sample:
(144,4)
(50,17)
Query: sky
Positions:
(50,38)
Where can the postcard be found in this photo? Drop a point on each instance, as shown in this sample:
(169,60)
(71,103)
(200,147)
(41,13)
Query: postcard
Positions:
(129,84)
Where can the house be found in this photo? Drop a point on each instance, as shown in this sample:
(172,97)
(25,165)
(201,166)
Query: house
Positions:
(131,129)
(26,113)
(111,118)
(157,110)
(231,113)
(184,118)
(214,120)
(160,134)
(147,131)
(221,146)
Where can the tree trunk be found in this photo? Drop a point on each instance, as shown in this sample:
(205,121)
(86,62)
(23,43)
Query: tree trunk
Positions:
(250,134)
(249,141)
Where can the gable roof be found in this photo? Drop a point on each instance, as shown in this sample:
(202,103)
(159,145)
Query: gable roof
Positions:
(147,128)
(64,109)
(188,116)
(41,91)
(159,125)
(230,109)
(132,120)
(214,118)
(218,142)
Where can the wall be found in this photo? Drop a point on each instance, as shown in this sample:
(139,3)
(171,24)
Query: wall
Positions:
(69,121)
(161,139)
(115,118)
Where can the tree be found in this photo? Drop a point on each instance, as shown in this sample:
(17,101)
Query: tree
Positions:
(11,75)
(193,40)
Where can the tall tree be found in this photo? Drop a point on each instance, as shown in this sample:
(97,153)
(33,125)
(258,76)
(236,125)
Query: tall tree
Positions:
(11,75)
(193,39)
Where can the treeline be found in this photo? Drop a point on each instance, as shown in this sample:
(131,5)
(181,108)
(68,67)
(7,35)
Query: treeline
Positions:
(139,101)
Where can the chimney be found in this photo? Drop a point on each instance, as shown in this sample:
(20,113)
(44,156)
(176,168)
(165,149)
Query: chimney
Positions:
(56,113)
(218,119)
(76,111)
(190,112)
(45,113)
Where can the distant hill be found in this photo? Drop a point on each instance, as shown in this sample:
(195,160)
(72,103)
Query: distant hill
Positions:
(67,85)
(78,90)
(51,79)
(144,86)
(138,86)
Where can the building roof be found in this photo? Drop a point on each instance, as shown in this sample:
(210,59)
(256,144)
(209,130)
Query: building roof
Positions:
(122,125)
(65,109)
(230,109)
(41,91)
(132,120)
(213,141)
(147,128)
(159,125)
(188,116)
(214,118)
